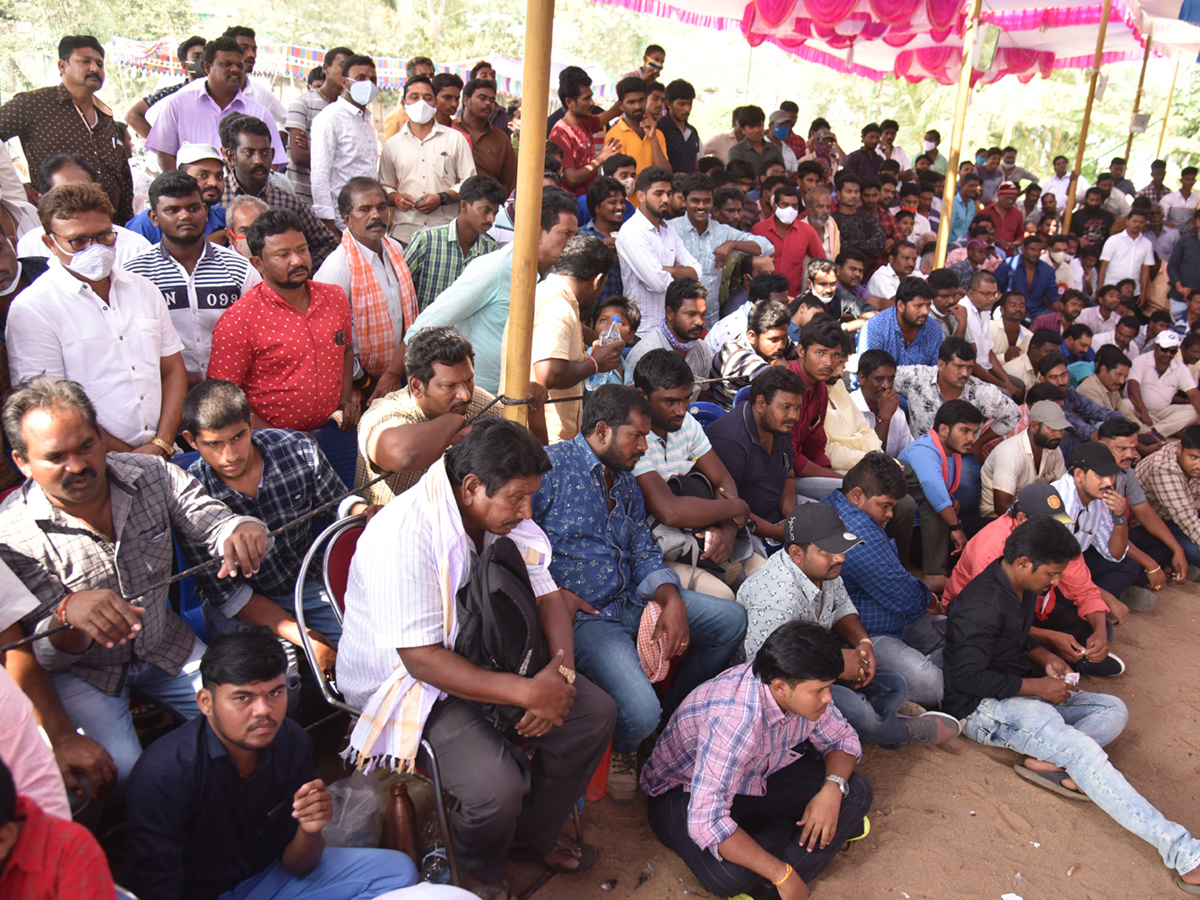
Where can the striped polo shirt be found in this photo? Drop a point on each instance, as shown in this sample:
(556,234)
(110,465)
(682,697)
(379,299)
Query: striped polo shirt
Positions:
(675,454)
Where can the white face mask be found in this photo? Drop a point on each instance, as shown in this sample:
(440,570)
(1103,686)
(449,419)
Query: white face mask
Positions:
(420,112)
(93,263)
(930,145)
(16,281)
(627,185)
(786,214)
(1059,256)
(363,92)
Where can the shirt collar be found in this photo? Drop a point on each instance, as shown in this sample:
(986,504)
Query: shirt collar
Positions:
(207,253)
(589,457)
(216,749)
(349,108)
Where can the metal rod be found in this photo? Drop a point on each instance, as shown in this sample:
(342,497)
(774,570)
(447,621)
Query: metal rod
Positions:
(1167,115)
(1137,98)
(1087,115)
(956,134)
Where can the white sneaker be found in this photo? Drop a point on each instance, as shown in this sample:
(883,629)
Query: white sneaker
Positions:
(622,777)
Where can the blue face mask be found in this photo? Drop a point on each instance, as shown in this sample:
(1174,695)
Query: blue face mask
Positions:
(755,195)
(780,131)
(980,160)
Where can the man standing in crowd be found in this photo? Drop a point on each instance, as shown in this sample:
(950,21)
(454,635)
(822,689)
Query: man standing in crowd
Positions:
(682,140)
(490,145)
(66,118)
(190,55)
(198,279)
(794,240)
(303,111)
(1128,254)
(859,230)
(574,132)
(343,144)
(635,133)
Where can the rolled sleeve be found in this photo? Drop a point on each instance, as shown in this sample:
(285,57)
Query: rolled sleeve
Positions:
(832,732)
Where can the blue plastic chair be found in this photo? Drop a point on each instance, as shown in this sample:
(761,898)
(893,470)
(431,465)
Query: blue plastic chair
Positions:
(189,597)
(340,448)
(741,396)
(705,413)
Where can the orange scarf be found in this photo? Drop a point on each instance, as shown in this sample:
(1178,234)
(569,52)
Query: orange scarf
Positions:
(937,443)
(374,331)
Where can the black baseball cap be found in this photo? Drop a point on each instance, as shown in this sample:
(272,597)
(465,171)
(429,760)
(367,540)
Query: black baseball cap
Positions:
(818,523)
(1042,500)
(1095,457)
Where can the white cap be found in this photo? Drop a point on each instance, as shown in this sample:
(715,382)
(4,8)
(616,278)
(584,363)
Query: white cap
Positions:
(1168,339)
(190,153)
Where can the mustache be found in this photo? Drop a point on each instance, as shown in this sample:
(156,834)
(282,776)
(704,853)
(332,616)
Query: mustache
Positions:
(75,477)
(264,721)
(376,223)
(299,272)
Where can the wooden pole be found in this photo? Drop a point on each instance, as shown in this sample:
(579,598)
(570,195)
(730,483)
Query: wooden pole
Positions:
(1167,115)
(956,134)
(531,161)
(1137,98)
(1087,115)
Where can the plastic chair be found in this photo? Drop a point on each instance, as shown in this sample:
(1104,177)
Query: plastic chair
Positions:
(189,597)
(705,413)
(742,395)
(340,448)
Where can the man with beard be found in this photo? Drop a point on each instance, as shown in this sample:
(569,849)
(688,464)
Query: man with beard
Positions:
(1028,273)
(1031,457)
(887,278)
(907,332)
(851,303)
(680,330)
(1091,222)
(765,343)
(370,269)
(490,144)
(635,133)
(621,570)
(288,342)
(859,229)
(198,279)
(818,206)
(1171,478)
(204,164)
(202,810)
(820,348)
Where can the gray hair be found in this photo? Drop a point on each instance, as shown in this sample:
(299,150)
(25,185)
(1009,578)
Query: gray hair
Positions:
(37,393)
(245,200)
(817,267)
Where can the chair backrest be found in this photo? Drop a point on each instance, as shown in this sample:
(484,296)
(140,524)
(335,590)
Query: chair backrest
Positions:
(336,568)
(189,598)
(705,413)
(340,448)
(741,396)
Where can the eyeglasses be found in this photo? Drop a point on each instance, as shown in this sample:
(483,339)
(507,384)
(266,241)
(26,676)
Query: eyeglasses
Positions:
(107,238)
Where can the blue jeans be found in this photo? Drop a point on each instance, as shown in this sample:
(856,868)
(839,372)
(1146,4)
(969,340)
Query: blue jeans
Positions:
(606,652)
(815,487)
(342,873)
(917,656)
(106,719)
(1071,735)
(970,486)
(318,613)
(1190,550)
(872,710)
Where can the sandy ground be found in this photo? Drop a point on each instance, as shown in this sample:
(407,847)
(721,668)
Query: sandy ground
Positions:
(957,822)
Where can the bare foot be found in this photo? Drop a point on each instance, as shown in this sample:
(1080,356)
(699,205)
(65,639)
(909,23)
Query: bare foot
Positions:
(1192,877)
(1037,765)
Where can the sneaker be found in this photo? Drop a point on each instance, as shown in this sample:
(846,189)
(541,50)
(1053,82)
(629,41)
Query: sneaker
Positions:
(910,709)
(1139,599)
(1108,667)
(622,777)
(1193,573)
(931,728)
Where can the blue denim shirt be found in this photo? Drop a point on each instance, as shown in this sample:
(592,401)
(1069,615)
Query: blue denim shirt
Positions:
(605,556)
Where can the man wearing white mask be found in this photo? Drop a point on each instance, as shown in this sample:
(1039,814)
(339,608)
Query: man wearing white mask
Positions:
(794,240)
(423,164)
(105,328)
(343,144)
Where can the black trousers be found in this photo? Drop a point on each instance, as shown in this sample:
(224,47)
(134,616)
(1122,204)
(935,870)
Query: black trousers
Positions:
(770,820)
(499,792)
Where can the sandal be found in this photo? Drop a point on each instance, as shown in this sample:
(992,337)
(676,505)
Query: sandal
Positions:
(586,859)
(1185,887)
(494,892)
(1051,781)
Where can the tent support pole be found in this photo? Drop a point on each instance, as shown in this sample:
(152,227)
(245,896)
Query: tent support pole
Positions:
(1087,115)
(1137,98)
(531,161)
(1167,115)
(960,121)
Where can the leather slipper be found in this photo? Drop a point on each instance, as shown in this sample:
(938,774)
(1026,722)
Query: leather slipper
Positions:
(1051,781)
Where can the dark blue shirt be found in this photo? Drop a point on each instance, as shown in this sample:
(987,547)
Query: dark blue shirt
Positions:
(195,828)
(142,225)
(760,476)
(1011,276)
(682,152)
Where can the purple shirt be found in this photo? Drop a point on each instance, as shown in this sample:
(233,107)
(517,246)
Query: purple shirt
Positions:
(191,116)
(726,739)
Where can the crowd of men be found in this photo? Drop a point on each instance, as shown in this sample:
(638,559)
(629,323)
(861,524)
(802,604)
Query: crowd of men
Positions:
(786,487)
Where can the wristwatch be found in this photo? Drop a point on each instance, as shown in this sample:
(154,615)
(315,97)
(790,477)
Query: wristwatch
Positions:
(841,783)
(444,197)
(164,448)
(568,674)
(1122,519)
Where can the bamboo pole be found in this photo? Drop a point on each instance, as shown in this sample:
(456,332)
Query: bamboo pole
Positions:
(1167,115)
(956,134)
(531,161)
(1087,115)
(1137,98)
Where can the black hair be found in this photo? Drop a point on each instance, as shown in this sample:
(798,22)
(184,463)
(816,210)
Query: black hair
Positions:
(821,331)
(877,474)
(953,347)
(1045,336)
(751,115)
(764,285)
(174,184)
(616,161)
(1161,315)
(957,412)
(773,379)
(224,44)
(477,84)
(943,280)
(740,168)
(1189,438)
(73,42)
(630,85)
(600,190)
(662,370)
(268,224)
(682,289)
(334,52)
(8,796)
(1044,390)
(866,182)
(1110,356)
(799,651)
(850,253)
(214,404)
(482,64)
(652,175)
(181,51)
(873,359)
(42,392)
(417,79)
(243,656)
(359,59)
(345,198)
(905,214)
(315,74)
(1042,541)
(697,182)
(1117,428)
(630,314)
(237,31)
(584,257)
(56,162)
(680,90)
(784,190)
(571,82)
(612,404)
(766,315)
(913,288)
(481,187)
(710,165)
(237,124)
(441,344)
(1077,331)
(496,451)
(1051,361)
(555,202)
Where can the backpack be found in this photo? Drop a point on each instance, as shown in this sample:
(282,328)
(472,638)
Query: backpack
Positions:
(498,624)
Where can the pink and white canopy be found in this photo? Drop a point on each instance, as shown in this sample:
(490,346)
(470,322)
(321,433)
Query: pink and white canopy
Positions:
(918,39)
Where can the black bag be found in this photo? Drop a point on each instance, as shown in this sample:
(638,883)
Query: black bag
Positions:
(498,624)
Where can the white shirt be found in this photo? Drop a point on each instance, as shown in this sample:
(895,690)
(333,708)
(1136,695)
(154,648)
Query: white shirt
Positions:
(1093,318)
(884,282)
(1125,257)
(1157,390)
(336,270)
(60,327)
(643,250)
(899,435)
(1093,524)
(730,328)
(1165,241)
(129,244)
(198,298)
(1110,337)
(898,154)
(343,145)
(1180,210)
(1009,468)
(263,95)
(1059,187)
(979,333)
(409,165)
